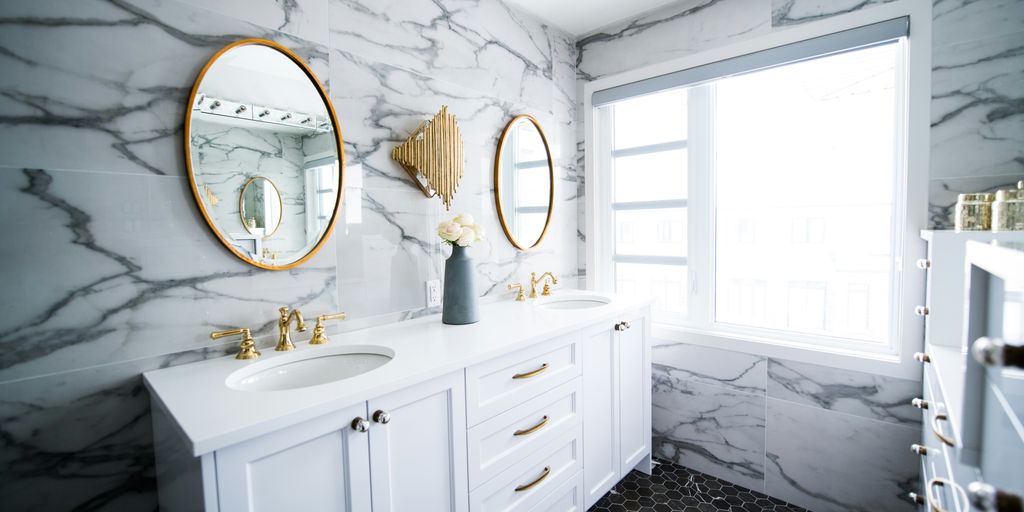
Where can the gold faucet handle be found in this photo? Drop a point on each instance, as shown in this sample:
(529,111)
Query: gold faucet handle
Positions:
(547,284)
(319,338)
(518,287)
(247,349)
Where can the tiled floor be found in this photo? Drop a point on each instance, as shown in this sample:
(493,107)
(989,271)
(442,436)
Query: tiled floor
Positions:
(674,488)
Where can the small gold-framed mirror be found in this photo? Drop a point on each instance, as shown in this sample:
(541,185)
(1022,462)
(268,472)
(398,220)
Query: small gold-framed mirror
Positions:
(260,207)
(260,127)
(524,182)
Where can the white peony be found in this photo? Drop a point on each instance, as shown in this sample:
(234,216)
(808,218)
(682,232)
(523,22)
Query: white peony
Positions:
(479,230)
(449,231)
(467,238)
(464,219)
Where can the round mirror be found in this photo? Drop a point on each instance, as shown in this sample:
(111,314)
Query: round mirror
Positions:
(524,182)
(261,129)
(260,206)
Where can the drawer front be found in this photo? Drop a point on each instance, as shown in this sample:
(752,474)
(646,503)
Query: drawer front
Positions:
(939,461)
(500,384)
(499,442)
(528,482)
(567,498)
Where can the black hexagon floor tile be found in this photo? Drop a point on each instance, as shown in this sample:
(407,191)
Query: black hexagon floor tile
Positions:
(673,488)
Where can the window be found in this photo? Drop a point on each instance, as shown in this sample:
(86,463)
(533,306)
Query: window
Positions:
(763,203)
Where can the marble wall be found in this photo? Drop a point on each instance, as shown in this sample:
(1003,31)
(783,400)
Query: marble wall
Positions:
(768,424)
(110,270)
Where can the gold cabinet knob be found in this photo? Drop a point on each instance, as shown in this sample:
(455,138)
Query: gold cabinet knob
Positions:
(920,403)
(918,449)
(319,337)
(924,263)
(922,357)
(916,498)
(360,424)
(246,349)
(921,311)
(382,417)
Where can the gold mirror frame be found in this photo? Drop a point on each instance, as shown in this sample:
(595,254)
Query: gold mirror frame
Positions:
(196,194)
(497,183)
(241,205)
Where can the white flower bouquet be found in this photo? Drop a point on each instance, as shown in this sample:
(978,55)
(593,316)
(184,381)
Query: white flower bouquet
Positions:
(461,231)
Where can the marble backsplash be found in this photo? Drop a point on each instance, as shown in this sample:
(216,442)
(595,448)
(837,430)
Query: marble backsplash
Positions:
(118,274)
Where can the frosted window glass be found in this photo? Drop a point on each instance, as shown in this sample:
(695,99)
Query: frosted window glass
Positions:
(650,176)
(651,119)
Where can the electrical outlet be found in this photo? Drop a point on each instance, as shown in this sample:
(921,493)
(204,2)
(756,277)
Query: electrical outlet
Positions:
(433,293)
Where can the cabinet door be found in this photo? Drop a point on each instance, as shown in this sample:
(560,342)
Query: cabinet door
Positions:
(322,465)
(600,412)
(419,450)
(634,394)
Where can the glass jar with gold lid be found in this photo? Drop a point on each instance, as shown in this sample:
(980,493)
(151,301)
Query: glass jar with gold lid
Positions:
(974,212)
(1008,209)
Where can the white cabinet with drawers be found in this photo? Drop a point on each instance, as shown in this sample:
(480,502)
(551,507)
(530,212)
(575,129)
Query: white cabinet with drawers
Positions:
(546,424)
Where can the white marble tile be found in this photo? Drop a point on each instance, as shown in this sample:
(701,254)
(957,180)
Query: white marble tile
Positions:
(708,428)
(97,85)
(483,45)
(958,21)
(942,194)
(828,461)
(303,18)
(114,267)
(795,12)
(863,394)
(680,29)
(976,119)
(692,363)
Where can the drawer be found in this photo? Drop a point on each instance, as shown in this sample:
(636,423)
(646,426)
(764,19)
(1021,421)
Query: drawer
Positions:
(528,482)
(498,385)
(499,442)
(567,498)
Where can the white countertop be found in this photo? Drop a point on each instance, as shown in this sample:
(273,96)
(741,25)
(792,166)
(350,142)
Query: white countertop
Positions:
(211,415)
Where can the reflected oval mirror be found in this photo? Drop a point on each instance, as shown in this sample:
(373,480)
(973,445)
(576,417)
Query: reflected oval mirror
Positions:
(261,136)
(260,206)
(524,182)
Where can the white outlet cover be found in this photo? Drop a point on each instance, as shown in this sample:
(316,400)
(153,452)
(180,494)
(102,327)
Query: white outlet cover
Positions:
(433,292)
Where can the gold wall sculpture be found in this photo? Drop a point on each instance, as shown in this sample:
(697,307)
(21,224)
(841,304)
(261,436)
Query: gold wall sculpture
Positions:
(434,152)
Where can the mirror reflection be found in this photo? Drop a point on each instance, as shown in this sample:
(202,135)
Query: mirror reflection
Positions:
(524,182)
(261,132)
(260,207)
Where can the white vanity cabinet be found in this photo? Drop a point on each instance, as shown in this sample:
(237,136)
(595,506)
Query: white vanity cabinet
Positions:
(537,411)
(617,403)
(403,452)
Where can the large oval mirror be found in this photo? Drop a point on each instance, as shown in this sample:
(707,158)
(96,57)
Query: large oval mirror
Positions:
(264,154)
(524,182)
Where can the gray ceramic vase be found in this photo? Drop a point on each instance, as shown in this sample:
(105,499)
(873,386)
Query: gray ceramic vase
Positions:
(459,306)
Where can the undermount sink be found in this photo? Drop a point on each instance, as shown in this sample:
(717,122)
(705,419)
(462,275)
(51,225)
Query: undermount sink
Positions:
(576,301)
(310,369)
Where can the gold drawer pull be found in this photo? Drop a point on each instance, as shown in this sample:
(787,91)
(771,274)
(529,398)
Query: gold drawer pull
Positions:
(527,375)
(531,485)
(937,430)
(958,492)
(528,431)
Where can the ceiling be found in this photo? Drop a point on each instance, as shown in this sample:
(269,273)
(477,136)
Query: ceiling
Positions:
(580,17)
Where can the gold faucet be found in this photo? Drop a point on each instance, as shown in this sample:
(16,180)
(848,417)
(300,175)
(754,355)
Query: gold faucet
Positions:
(247,349)
(518,286)
(319,338)
(284,338)
(547,286)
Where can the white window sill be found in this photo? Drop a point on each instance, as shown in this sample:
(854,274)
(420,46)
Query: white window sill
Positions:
(900,366)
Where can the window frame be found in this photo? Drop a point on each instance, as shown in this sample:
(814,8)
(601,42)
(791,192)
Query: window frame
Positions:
(910,206)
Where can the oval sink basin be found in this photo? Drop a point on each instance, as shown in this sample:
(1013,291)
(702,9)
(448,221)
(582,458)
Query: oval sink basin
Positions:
(573,302)
(313,369)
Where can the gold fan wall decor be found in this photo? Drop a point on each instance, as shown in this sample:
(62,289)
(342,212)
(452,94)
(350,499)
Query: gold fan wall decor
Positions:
(434,152)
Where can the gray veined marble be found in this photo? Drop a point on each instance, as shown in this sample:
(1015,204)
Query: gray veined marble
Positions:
(959,21)
(100,84)
(705,365)
(711,429)
(976,117)
(302,18)
(830,462)
(795,12)
(862,394)
(671,32)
